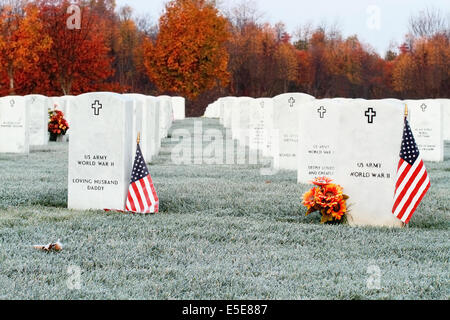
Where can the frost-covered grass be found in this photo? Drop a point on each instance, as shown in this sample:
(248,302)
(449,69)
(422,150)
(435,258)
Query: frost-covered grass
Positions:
(225,232)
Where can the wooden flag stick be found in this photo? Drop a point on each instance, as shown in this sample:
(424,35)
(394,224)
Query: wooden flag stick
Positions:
(406,110)
(139,138)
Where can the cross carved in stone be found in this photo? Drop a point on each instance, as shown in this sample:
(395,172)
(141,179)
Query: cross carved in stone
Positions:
(97,106)
(322,112)
(291,101)
(370,114)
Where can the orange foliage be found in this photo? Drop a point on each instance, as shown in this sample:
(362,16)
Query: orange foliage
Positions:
(22,44)
(189,55)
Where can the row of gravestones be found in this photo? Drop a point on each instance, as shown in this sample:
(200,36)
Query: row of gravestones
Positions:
(356,142)
(104,128)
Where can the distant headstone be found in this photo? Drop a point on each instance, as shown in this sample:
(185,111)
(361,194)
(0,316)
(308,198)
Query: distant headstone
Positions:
(286,122)
(258,128)
(165,115)
(39,106)
(221,107)
(228,105)
(426,121)
(319,143)
(139,103)
(369,140)
(241,129)
(267,106)
(446,115)
(14,125)
(100,151)
(179,108)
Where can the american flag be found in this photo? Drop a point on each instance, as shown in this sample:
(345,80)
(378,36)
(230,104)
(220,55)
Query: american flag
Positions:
(142,197)
(412,178)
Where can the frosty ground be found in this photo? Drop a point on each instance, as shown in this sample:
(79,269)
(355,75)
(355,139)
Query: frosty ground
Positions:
(224,232)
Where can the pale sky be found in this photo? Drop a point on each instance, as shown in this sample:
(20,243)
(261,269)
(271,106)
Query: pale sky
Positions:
(377,22)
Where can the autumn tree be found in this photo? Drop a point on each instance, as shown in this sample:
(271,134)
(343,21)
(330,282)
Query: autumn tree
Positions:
(23,41)
(79,60)
(189,55)
(424,71)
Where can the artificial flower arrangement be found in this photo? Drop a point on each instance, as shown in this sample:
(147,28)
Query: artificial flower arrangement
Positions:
(327,198)
(57,125)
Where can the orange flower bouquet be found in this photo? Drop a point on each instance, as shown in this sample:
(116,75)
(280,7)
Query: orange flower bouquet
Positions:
(327,198)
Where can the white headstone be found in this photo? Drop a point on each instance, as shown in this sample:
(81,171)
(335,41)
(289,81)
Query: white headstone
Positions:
(446,115)
(228,105)
(258,128)
(221,110)
(100,151)
(165,115)
(286,122)
(179,108)
(319,139)
(39,106)
(426,121)
(139,121)
(14,125)
(241,129)
(369,135)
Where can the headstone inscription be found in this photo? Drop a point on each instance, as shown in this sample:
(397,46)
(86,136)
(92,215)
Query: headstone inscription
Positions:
(319,139)
(258,129)
(39,106)
(286,122)
(14,125)
(426,121)
(100,151)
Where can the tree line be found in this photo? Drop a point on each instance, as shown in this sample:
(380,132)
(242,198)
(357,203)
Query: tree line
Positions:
(197,51)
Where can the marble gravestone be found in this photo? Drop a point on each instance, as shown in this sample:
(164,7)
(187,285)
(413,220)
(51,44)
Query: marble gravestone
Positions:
(221,111)
(319,139)
(165,115)
(446,115)
(139,103)
(268,127)
(235,118)
(39,106)
(228,105)
(151,116)
(100,151)
(243,117)
(286,122)
(426,121)
(179,108)
(14,125)
(258,129)
(370,136)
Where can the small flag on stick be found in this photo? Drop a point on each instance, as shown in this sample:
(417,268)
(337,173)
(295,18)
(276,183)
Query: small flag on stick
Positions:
(412,177)
(142,197)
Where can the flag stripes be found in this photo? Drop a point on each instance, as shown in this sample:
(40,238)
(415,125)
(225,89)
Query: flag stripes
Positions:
(142,197)
(412,178)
